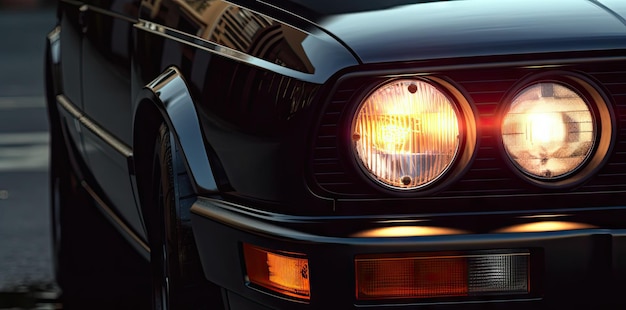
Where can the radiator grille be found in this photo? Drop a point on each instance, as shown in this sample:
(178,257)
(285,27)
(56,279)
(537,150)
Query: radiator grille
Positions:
(489,173)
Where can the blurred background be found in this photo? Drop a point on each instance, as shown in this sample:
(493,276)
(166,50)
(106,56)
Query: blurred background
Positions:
(26,276)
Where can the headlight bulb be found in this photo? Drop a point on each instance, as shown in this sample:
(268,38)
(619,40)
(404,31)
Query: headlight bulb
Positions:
(548,131)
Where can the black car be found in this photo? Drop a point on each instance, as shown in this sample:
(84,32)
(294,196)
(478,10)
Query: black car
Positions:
(317,154)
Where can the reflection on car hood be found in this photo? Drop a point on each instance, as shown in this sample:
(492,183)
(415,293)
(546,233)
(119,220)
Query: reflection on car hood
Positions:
(402,30)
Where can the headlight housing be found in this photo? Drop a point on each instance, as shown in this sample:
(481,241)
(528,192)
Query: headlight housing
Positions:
(406,133)
(556,131)
(549,130)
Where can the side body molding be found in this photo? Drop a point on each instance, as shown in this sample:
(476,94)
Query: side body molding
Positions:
(169,92)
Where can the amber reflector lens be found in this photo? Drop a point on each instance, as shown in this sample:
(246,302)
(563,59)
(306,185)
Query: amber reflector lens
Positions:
(284,273)
(441,276)
(549,131)
(406,134)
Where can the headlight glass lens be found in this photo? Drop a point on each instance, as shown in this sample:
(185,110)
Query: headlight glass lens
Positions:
(548,131)
(406,134)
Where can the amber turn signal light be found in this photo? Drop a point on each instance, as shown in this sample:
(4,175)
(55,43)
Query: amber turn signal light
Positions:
(285,273)
(434,275)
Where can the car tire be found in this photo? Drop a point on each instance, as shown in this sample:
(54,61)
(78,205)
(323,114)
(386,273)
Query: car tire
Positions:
(177,277)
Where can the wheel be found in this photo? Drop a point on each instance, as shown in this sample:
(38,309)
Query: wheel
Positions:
(177,278)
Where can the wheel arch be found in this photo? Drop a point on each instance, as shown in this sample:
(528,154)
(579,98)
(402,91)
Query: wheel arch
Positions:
(167,100)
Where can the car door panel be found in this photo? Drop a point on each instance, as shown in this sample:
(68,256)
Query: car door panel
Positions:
(107,104)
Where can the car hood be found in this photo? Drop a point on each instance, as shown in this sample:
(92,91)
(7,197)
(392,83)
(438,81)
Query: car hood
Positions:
(402,30)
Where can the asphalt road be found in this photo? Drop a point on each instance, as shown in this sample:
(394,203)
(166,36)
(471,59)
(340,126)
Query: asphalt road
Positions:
(25,251)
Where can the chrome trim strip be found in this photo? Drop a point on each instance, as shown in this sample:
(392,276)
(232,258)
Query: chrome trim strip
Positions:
(116,219)
(68,106)
(116,144)
(224,51)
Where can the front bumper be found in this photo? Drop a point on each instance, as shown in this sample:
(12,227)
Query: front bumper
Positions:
(577,268)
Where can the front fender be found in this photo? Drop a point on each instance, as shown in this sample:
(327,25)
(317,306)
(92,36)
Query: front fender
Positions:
(167,99)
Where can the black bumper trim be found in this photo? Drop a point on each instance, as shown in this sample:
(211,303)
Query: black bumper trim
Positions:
(577,267)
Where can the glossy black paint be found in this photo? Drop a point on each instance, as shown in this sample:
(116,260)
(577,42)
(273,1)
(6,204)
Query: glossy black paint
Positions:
(244,110)
(170,89)
(255,94)
(450,29)
(252,38)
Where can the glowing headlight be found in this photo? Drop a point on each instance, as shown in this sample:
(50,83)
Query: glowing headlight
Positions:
(548,131)
(406,134)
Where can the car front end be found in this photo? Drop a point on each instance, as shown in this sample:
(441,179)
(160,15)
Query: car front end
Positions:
(473,158)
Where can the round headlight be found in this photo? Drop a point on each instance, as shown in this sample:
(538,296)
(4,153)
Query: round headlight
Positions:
(406,134)
(549,131)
